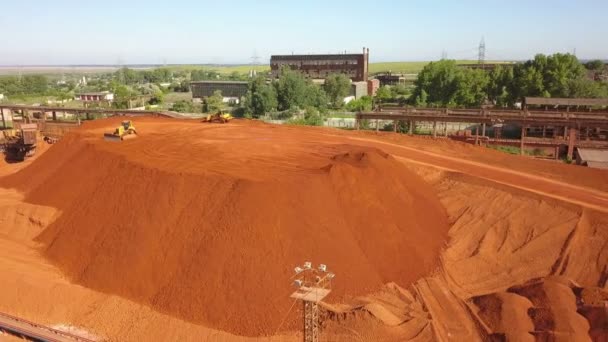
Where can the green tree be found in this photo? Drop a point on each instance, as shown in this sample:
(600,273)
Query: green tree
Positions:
(586,88)
(312,117)
(500,86)
(181,87)
(362,104)
(421,100)
(182,106)
(235,76)
(439,80)
(337,87)
(215,102)
(383,94)
(261,97)
(157,98)
(471,89)
(595,65)
(293,90)
(34,84)
(123,95)
(546,75)
(315,97)
(399,90)
(128,76)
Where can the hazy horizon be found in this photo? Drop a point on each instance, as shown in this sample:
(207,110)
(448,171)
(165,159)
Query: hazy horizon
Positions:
(65,33)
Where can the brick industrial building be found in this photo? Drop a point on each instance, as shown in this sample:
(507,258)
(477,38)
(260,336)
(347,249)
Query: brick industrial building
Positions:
(355,66)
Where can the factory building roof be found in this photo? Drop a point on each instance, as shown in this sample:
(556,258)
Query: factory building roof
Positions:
(593,158)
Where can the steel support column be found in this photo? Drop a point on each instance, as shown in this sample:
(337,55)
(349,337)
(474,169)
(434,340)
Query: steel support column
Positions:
(521,140)
(544,130)
(411,128)
(476,135)
(434,129)
(3,120)
(571,142)
(311,321)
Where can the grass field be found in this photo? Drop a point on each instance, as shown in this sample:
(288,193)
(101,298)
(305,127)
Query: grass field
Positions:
(374,68)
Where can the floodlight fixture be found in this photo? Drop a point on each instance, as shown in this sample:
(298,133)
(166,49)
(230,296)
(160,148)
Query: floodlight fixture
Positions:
(308,265)
(323,268)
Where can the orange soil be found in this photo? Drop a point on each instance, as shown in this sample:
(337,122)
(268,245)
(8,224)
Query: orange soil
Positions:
(513,220)
(205,232)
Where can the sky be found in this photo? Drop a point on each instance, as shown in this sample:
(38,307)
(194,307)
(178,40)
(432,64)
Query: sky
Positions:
(64,32)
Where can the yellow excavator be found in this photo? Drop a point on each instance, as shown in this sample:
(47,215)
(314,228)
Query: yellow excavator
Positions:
(218,117)
(125,131)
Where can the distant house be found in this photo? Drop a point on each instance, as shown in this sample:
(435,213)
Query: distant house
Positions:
(592,158)
(232,91)
(372,86)
(101,96)
(358,89)
(391,79)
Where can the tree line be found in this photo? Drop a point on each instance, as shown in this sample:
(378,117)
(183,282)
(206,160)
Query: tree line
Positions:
(24,85)
(292,91)
(444,84)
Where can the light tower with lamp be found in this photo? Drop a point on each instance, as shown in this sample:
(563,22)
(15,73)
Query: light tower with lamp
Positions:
(313,285)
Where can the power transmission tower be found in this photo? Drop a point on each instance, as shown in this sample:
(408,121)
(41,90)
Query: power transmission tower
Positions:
(482,52)
(313,285)
(255,61)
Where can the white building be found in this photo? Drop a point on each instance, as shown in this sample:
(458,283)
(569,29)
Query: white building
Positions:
(101,96)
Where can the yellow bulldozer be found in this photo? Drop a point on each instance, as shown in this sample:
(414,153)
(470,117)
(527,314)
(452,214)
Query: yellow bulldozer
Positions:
(125,131)
(218,117)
